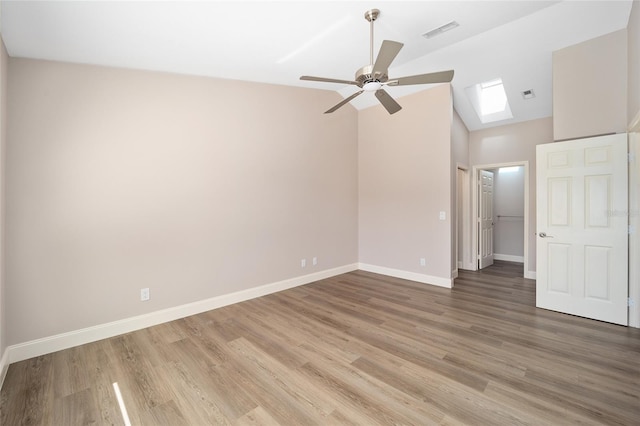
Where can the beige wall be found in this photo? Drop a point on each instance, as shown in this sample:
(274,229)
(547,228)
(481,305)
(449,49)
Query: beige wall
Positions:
(193,187)
(590,87)
(459,141)
(514,143)
(404,182)
(633,47)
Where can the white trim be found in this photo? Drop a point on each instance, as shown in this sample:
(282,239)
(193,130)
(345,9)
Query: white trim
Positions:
(530,275)
(70,339)
(508,258)
(4,366)
(634,221)
(412,276)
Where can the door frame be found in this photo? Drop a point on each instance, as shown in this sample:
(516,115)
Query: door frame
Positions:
(634,221)
(463,212)
(474,206)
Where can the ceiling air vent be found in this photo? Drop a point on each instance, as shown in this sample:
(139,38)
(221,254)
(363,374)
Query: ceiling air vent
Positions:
(441,29)
(528,94)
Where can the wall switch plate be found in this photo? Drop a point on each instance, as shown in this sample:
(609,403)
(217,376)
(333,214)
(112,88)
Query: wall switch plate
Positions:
(144,294)
(303,263)
(423,261)
(443,215)
(315,261)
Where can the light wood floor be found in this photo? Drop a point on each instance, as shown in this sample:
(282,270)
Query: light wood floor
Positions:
(358,348)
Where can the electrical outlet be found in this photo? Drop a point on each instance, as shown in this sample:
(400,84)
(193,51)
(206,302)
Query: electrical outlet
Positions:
(315,261)
(423,261)
(144,294)
(303,263)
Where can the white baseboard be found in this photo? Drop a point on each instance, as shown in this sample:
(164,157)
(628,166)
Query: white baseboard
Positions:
(70,339)
(412,276)
(508,258)
(4,366)
(530,274)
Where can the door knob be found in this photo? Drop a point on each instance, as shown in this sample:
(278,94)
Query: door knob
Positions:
(544,235)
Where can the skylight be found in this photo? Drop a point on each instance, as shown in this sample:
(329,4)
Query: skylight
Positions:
(490,101)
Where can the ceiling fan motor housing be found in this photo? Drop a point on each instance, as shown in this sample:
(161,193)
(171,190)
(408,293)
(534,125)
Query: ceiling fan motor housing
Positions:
(366,75)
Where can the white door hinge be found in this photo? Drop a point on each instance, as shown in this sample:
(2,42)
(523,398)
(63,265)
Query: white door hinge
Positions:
(631,230)
(631,157)
(630,302)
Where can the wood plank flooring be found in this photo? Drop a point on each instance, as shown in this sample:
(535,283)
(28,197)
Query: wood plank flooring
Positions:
(358,348)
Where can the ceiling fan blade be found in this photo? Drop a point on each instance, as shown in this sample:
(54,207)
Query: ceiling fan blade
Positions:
(328,80)
(388,102)
(434,77)
(343,102)
(388,52)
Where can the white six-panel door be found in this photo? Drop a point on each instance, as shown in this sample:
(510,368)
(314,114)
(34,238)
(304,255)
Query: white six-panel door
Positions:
(485,219)
(582,242)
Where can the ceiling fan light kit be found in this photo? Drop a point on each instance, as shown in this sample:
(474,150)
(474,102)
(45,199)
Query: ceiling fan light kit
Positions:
(372,86)
(372,77)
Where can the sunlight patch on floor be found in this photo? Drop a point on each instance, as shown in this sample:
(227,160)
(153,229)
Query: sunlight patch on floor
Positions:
(123,408)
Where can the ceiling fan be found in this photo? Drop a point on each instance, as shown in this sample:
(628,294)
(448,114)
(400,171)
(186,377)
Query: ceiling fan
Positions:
(372,77)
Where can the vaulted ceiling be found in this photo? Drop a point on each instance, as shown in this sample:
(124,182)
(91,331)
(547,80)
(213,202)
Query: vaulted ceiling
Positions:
(277,42)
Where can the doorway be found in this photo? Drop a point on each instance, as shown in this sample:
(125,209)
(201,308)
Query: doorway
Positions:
(499,231)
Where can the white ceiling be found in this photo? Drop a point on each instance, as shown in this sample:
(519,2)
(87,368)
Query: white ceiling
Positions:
(277,42)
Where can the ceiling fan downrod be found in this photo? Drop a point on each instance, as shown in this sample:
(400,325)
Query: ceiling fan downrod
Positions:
(371,15)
